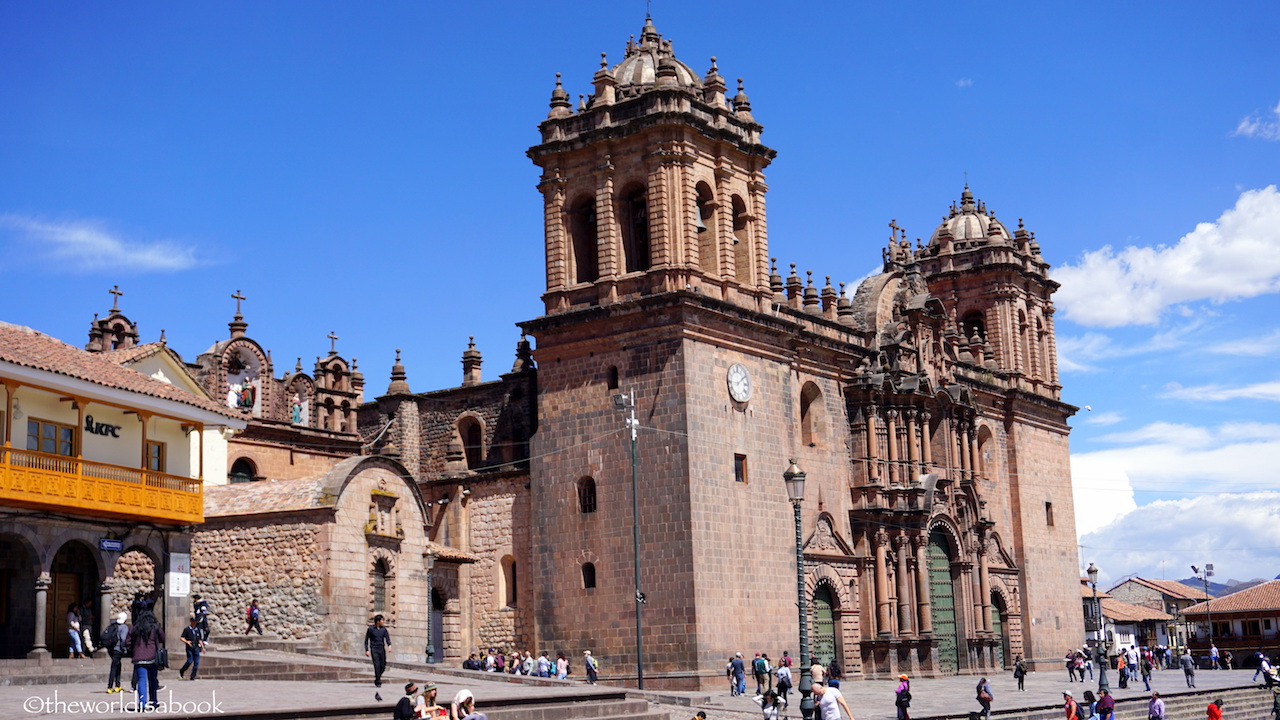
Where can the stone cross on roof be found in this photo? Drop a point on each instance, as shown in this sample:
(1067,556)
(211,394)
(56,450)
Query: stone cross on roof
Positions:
(115,301)
(333,343)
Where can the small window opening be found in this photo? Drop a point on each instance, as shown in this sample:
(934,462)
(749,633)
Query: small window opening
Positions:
(587,495)
(740,468)
(1048,514)
(588,575)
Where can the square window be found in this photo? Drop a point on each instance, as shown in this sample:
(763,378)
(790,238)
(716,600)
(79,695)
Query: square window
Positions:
(740,468)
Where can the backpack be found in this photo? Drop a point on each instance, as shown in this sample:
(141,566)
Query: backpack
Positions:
(904,699)
(1080,712)
(760,666)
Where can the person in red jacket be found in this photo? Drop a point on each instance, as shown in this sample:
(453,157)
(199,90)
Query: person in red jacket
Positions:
(1215,710)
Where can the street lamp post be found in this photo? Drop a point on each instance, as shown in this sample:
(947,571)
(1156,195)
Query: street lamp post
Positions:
(627,401)
(794,478)
(1204,578)
(1100,656)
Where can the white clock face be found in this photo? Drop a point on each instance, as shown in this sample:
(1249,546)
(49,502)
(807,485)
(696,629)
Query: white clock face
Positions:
(739,383)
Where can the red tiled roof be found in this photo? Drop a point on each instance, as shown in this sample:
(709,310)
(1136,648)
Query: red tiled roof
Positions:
(1126,612)
(29,348)
(125,356)
(1172,588)
(267,496)
(1260,597)
(1086,590)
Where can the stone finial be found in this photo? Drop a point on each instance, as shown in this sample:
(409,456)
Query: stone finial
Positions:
(844,308)
(775,281)
(560,105)
(742,104)
(582,102)
(524,354)
(471,363)
(829,300)
(811,305)
(713,86)
(794,288)
(399,379)
(237,324)
(605,83)
(297,368)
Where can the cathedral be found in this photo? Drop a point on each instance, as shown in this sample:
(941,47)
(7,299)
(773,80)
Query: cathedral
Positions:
(923,406)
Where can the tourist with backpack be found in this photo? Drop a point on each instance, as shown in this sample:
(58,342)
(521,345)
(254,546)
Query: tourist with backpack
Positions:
(902,697)
(253,615)
(592,666)
(784,683)
(1071,707)
(760,669)
(113,640)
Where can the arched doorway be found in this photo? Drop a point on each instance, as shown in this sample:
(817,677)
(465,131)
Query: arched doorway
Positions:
(942,601)
(75,580)
(17,590)
(823,621)
(437,626)
(134,575)
(1000,626)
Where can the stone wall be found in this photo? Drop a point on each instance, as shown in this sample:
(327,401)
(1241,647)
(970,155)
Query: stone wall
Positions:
(134,572)
(279,564)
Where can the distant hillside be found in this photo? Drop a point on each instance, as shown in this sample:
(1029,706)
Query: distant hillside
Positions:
(1227,588)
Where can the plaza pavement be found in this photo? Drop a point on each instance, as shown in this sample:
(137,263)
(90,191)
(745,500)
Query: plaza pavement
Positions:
(870,700)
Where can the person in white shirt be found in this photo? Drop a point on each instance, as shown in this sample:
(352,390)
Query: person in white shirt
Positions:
(830,701)
(784,683)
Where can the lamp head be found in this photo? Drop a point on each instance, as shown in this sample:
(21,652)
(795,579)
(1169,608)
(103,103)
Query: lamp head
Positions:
(794,478)
(1092,573)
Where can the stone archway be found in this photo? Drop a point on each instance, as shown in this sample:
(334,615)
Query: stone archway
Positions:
(18,571)
(134,574)
(73,579)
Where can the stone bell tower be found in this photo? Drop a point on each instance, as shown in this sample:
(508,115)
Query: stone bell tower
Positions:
(653,183)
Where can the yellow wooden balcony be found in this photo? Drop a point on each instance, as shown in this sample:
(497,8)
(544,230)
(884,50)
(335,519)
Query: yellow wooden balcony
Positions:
(65,484)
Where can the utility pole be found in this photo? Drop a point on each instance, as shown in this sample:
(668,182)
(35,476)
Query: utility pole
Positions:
(627,402)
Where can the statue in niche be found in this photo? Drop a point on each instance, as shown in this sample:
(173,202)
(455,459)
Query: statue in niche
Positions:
(233,394)
(248,393)
(235,365)
(295,407)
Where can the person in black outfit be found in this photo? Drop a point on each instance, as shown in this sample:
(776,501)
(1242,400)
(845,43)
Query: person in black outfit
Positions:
(376,641)
(201,610)
(113,639)
(193,638)
(404,708)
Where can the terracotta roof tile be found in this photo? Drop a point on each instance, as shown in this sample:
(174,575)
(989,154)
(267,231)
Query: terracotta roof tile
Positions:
(1126,612)
(267,496)
(1086,591)
(29,348)
(1259,597)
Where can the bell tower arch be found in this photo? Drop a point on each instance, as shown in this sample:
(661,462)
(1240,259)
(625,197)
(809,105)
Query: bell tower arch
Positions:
(654,183)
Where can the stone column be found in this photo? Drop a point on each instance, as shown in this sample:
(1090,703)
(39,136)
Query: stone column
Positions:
(903,550)
(922,585)
(891,432)
(552,188)
(926,448)
(39,649)
(959,442)
(104,610)
(975,461)
(873,474)
(975,585)
(608,239)
(984,585)
(883,626)
(913,447)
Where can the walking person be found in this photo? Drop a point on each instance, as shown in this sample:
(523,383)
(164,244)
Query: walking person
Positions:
(254,617)
(1155,707)
(1020,673)
(760,670)
(193,638)
(562,666)
(1146,672)
(1070,661)
(544,665)
(1264,667)
(1089,708)
(784,683)
(115,639)
(834,674)
(902,697)
(739,670)
(1213,658)
(376,641)
(591,665)
(829,701)
(1105,708)
(984,698)
(145,641)
(1070,706)
(1275,702)
(201,609)
(1188,667)
(1088,664)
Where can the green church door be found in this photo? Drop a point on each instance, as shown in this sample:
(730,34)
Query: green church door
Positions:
(823,626)
(943,603)
(997,627)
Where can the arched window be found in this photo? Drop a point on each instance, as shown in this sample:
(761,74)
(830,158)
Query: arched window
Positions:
(744,262)
(708,243)
(330,419)
(472,436)
(973,324)
(587,495)
(985,463)
(612,377)
(378,579)
(583,241)
(344,420)
(507,590)
(588,575)
(810,414)
(633,218)
(242,471)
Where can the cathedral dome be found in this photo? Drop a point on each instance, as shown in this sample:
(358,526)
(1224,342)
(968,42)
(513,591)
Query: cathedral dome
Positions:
(970,222)
(652,63)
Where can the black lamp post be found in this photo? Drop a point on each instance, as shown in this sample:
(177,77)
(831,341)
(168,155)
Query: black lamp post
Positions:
(1101,657)
(794,478)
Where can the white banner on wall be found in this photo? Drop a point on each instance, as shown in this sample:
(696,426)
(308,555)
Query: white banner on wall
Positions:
(178,579)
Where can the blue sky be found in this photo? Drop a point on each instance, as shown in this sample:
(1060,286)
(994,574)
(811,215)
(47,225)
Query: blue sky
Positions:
(360,168)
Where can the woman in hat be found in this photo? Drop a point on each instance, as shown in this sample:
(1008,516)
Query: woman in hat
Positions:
(902,699)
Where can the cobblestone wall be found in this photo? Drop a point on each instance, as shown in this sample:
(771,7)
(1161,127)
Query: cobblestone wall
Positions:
(280,565)
(135,572)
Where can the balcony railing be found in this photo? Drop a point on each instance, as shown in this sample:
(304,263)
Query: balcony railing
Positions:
(84,487)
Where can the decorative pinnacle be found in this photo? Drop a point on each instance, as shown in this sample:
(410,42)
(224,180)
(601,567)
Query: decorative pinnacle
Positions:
(604,63)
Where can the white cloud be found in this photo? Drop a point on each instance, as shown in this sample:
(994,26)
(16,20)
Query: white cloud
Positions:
(964,82)
(1102,492)
(1104,418)
(1238,256)
(1077,353)
(1221,393)
(87,246)
(1238,533)
(1264,126)
(1261,346)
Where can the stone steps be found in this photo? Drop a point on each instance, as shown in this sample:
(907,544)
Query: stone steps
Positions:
(1242,703)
